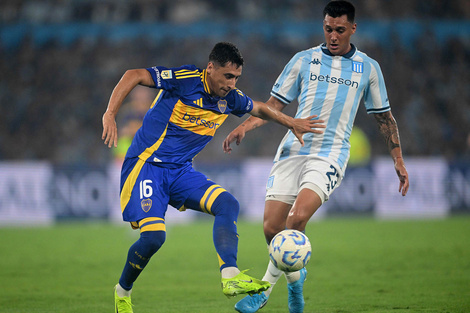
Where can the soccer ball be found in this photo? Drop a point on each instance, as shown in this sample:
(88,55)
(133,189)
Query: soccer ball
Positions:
(290,250)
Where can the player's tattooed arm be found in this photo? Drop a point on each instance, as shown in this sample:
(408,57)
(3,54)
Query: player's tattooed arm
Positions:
(389,129)
(254,123)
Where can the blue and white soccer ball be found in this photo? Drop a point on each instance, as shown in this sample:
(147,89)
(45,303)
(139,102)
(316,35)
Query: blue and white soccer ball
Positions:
(290,250)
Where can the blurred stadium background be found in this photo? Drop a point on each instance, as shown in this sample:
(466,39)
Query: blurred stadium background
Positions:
(60,60)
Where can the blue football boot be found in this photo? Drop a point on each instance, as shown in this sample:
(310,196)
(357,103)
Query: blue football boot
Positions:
(296,295)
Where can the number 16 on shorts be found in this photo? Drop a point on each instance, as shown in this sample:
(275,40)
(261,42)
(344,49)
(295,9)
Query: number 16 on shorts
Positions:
(146,189)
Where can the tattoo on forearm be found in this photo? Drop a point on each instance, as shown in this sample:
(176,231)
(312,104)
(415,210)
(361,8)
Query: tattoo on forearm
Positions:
(389,130)
(254,124)
(257,124)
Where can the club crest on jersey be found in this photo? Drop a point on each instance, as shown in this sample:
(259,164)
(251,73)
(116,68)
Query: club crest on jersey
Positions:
(357,67)
(222,104)
(146,204)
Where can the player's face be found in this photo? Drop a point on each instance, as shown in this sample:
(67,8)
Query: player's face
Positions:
(338,32)
(222,79)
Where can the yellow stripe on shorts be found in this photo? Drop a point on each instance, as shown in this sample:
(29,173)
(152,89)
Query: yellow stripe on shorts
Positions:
(129,184)
(132,178)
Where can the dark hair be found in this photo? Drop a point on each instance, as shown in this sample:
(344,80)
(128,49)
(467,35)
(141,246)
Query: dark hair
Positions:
(226,52)
(340,8)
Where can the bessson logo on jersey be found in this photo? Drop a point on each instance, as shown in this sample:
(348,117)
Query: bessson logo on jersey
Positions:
(199,121)
(222,104)
(334,80)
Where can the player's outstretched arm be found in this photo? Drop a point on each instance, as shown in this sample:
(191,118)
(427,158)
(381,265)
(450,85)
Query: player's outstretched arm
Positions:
(129,80)
(298,126)
(250,123)
(238,133)
(389,130)
(271,110)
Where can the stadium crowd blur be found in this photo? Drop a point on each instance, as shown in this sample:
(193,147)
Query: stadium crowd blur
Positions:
(53,92)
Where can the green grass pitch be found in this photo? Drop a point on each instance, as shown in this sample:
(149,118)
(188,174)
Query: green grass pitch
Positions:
(357,265)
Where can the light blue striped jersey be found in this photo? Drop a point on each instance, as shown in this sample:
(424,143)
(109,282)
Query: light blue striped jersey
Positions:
(332,88)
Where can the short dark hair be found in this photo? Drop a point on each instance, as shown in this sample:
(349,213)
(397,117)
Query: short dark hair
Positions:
(339,8)
(226,52)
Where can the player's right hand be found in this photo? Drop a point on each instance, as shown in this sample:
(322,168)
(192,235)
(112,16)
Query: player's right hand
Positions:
(109,135)
(402,176)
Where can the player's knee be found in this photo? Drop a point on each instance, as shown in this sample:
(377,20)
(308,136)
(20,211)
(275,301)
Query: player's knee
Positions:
(271,230)
(226,204)
(152,241)
(297,224)
(298,219)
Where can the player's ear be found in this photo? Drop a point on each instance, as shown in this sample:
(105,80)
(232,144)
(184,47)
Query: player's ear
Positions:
(209,68)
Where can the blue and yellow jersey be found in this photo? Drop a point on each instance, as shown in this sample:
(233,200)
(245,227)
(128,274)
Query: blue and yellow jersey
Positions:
(183,117)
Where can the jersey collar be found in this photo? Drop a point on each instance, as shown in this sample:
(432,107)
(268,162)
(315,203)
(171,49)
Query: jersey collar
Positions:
(204,81)
(347,55)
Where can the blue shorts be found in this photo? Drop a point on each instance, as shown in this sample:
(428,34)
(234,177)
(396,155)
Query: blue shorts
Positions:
(148,188)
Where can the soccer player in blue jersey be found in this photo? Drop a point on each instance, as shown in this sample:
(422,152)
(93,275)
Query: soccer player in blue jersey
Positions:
(329,81)
(190,106)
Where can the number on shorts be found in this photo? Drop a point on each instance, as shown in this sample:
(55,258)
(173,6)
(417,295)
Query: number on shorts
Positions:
(146,190)
(332,177)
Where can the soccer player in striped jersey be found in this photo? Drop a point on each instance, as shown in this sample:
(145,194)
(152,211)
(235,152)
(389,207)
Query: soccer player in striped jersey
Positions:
(329,81)
(190,106)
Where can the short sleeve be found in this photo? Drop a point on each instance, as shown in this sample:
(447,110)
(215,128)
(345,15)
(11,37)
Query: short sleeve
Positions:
(287,86)
(375,96)
(167,78)
(240,103)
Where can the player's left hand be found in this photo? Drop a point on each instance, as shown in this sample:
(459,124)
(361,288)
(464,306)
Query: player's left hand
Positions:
(402,176)
(109,135)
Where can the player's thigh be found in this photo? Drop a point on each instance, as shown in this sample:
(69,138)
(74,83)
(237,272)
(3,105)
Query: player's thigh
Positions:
(143,193)
(320,176)
(307,203)
(193,190)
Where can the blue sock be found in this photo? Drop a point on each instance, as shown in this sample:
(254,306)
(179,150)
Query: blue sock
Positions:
(139,255)
(225,236)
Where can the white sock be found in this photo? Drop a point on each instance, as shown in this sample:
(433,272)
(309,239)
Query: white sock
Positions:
(292,276)
(121,292)
(230,272)
(272,275)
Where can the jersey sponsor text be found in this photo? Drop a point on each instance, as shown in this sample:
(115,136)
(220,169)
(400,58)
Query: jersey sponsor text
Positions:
(334,80)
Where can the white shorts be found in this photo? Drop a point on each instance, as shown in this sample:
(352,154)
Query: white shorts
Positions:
(293,174)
